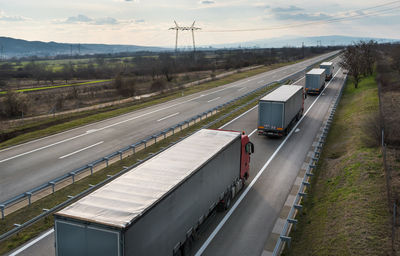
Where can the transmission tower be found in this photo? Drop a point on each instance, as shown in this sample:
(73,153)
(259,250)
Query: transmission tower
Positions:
(191,28)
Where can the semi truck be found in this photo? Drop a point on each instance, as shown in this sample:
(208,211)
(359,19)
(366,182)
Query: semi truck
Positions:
(157,207)
(315,81)
(328,66)
(280,109)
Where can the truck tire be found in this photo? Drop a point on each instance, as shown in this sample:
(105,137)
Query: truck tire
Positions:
(228,202)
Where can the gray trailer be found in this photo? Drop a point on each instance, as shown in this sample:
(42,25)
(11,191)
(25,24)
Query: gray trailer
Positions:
(328,66)
(278,110)
(315,81)
(156,207)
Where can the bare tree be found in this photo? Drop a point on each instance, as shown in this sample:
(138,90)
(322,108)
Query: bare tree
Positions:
(368,50)
(352,62)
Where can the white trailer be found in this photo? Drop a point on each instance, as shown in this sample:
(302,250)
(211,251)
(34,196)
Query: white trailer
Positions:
(328,66)
(278,110)
(315,81)
(157,207)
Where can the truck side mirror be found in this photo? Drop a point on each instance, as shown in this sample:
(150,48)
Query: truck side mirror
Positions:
(249,147)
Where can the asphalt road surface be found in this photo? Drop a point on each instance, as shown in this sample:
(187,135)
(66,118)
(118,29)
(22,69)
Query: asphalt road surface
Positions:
(245,228)
(28,165)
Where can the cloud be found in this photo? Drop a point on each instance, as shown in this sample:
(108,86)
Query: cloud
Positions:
(79,18)
(297,14)
(140,21)
(106,21)
(302,16)
(4,17)
(291,8)
(207,2)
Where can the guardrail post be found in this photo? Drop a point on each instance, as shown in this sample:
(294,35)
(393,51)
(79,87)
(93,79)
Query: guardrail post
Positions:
(133,149)
(145,143)
(29,194)
(286,239)
(120,154)
(73,177)
(2,206)
(106,159)
(53,184)
(91,168)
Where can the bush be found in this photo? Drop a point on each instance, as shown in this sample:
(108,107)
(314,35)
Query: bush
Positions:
(126,86)
(158,85)
(15,104)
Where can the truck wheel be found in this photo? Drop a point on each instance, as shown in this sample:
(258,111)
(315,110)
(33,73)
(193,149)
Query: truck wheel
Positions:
(228,203)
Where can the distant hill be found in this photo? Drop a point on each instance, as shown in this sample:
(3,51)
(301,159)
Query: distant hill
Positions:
(291,41)
(21,48)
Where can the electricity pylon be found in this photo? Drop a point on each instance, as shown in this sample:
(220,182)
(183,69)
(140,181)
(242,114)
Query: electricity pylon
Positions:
(177,28)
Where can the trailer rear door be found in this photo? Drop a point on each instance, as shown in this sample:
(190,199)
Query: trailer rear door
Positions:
(75,238)
(271,114)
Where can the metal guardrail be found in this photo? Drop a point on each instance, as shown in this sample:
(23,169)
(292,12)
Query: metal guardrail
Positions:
(284,237)
(142,143)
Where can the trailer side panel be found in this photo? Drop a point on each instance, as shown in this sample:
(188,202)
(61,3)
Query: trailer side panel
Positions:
(158,231)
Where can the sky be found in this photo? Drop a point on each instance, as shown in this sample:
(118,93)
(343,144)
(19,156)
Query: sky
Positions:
(147,22)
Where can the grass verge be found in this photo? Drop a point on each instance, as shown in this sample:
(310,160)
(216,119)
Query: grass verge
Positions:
(58,86)
(39,129)
(60,196)
(346,211)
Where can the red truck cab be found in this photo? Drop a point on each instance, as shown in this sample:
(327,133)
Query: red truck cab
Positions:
(247,150)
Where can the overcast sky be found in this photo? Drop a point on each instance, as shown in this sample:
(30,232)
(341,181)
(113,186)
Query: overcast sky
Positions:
(146,22)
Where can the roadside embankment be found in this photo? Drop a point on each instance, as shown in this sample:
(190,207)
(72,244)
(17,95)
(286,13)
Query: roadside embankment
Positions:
(346,211)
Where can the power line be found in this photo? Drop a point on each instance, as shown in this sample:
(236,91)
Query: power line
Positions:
(351,17)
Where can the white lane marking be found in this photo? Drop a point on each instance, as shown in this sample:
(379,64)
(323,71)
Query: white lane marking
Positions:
(252,132)
(44,147)
(226,217)
(129,119)
(242,89)
(236,118)
(299,80)
(259,82)
(166,117)
(297,130)
(34,241)
(214,99)
(80,150)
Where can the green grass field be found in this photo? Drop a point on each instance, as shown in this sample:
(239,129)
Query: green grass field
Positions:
(346,211)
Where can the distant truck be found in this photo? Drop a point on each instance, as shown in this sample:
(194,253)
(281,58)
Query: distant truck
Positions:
(157,207)
(280,109)
(328,66)
(315,81)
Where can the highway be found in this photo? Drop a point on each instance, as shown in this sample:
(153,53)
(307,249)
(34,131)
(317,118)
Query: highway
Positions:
(28,165)
(245,228)
(275,166)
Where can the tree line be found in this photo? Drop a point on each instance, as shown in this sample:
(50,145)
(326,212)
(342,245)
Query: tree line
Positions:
(359,60)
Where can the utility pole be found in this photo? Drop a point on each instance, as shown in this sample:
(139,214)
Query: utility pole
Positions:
(79,49)
(70,49)
(177,28)
(302,48)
